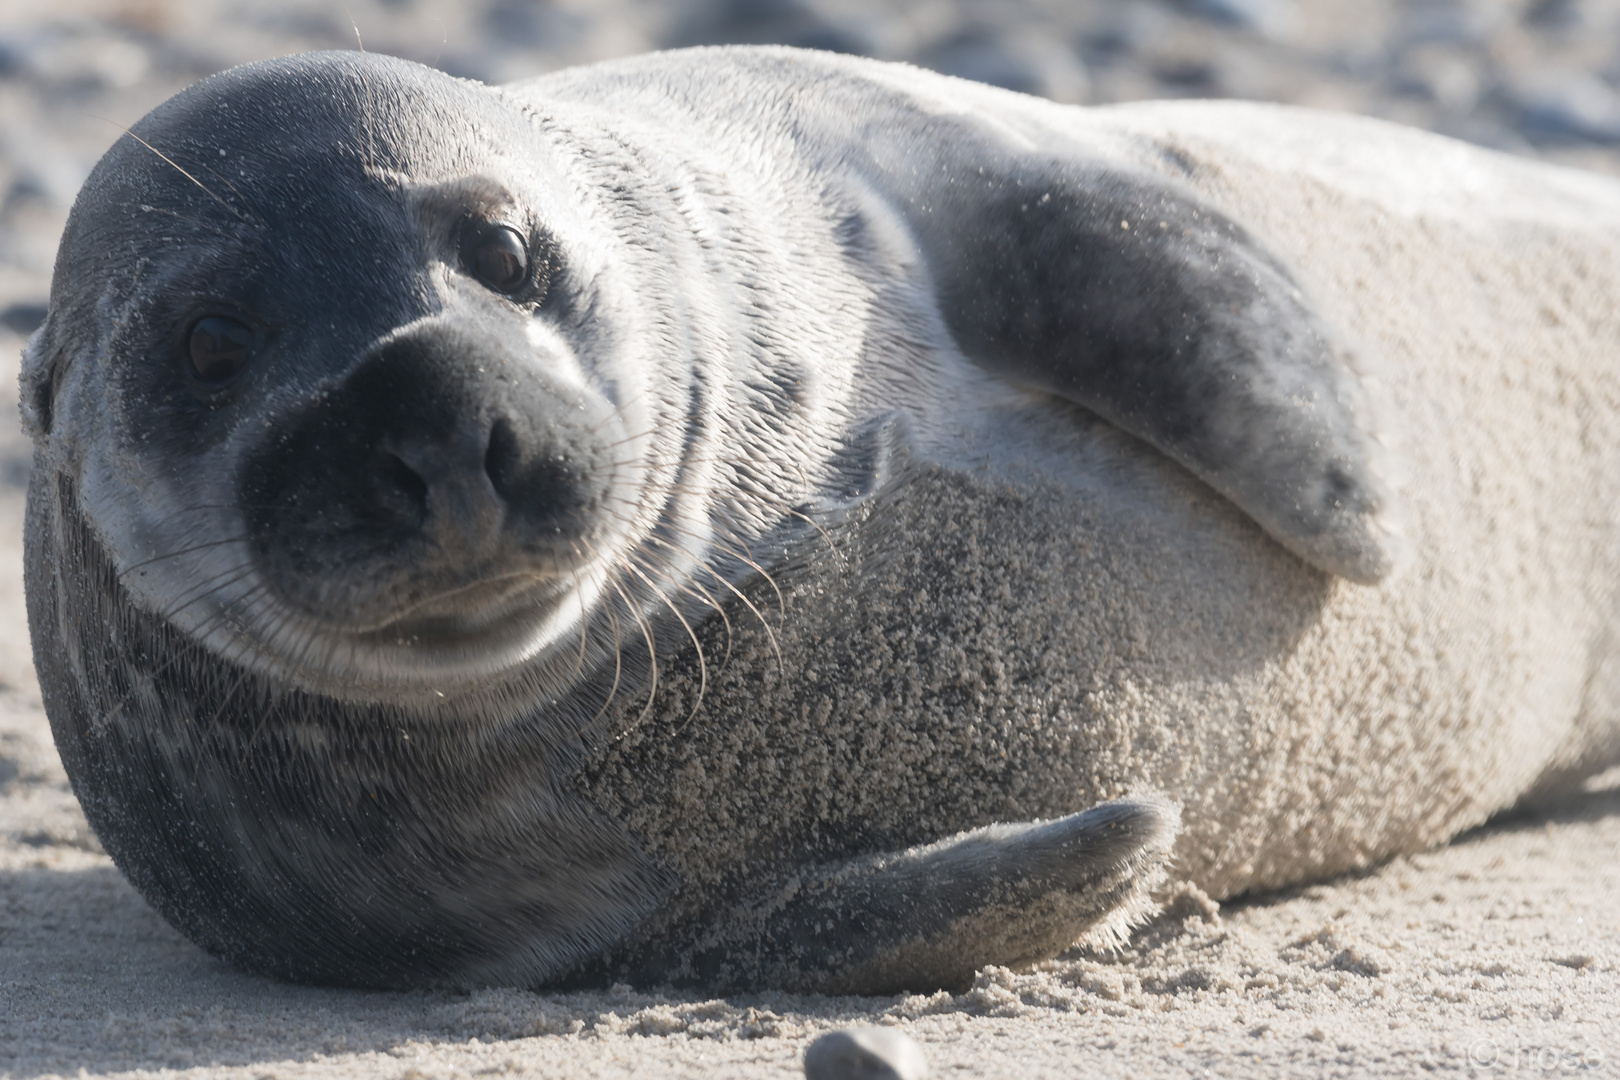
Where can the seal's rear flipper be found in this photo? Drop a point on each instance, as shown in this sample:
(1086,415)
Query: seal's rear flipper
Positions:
(929,917)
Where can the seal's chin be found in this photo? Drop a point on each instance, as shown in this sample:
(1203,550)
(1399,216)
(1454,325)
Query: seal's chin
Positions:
(454,643)
(469,611)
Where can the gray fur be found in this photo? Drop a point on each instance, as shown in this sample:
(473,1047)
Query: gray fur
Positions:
(1015,502)
(930,915)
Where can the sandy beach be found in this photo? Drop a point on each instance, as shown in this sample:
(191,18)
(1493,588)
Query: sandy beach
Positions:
(1497,955)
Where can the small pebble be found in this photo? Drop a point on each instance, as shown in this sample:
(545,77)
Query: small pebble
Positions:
(865,1053)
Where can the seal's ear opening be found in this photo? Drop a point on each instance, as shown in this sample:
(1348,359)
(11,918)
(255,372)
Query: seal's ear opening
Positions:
(36,385)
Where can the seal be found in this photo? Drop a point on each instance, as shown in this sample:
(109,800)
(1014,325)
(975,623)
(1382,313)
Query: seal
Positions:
(753,517)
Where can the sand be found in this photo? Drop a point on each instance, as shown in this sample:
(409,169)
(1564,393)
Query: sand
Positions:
(1498,954)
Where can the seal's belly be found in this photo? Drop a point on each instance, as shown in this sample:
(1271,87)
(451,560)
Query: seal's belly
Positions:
(1048,614)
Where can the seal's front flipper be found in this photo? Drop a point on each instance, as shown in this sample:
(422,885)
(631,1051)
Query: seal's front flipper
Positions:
(1120,290)
(929,917)
(1130,298)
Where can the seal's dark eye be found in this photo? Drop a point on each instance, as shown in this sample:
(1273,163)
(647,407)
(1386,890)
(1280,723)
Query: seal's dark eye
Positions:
(498,258)
(220,349)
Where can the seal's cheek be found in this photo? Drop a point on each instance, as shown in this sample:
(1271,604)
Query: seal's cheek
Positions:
(443,471)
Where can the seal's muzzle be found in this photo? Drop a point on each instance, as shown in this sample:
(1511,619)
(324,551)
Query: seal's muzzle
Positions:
(441,465)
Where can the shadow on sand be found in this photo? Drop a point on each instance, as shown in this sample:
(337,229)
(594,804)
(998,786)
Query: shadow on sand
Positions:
(94,979)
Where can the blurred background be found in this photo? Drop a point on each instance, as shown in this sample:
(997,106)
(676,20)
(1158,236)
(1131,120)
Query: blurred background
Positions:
(1535,77)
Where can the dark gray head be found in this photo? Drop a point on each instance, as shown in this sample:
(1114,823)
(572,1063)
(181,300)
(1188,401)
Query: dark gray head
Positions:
(347,376)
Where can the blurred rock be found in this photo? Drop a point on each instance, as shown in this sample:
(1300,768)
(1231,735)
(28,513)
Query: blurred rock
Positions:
(532,25)
(1127,28)
(150,19)
(42,177)
(1188,73)
(24,319)
(1028,62)
(85,61)
(1555,14)
(27,187)
(1442,75)
(1566,16)
(12,60)
(1453,21)
(1273,18)
(330,29)
(774,22)
(1573,105)
(1359,59)
(865,1053)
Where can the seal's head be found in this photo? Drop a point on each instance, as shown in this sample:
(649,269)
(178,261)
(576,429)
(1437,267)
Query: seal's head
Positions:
(347,378)
(349,424)
(379,438)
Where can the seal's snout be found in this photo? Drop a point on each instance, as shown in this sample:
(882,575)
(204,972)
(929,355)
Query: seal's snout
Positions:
(440,465)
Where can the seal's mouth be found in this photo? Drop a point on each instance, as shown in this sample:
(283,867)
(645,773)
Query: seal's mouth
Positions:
(467,611)
(461,640)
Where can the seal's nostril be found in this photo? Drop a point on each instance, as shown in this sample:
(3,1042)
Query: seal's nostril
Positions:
(502,459)
(542,491)
(403,490)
